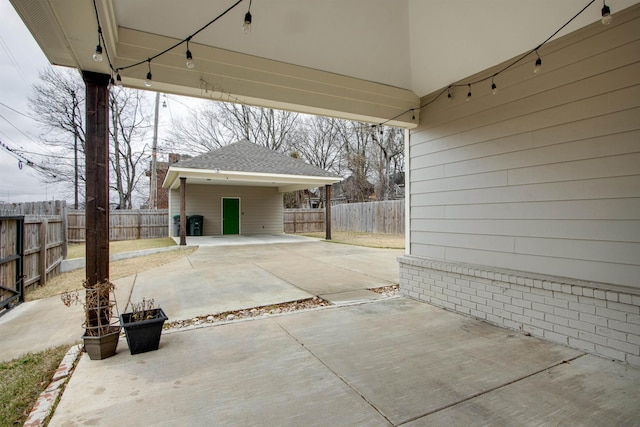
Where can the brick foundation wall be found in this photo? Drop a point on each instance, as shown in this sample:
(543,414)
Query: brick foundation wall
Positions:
(598,319)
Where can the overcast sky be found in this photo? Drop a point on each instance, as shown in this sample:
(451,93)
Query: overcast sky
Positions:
(21,60)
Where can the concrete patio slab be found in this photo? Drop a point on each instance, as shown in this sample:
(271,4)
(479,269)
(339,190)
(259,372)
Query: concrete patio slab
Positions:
(249,374)
(409,359)
(185,292)
(588,391)
(388,362)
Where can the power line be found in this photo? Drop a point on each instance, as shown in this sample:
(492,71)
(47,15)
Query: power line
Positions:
(18,129)
(18,112)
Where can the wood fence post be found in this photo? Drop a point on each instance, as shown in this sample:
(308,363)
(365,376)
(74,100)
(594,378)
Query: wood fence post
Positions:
(65,232)
(295,219)
(43,251)
(327,212)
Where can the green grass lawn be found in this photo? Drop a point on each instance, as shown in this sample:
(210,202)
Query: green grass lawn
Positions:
(23,379)
(78,250)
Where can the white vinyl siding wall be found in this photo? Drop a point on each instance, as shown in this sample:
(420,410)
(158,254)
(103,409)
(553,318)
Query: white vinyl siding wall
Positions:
(261,207)
(543,177)
(525,206)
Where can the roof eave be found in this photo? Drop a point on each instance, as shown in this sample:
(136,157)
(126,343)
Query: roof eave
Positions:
(284,182)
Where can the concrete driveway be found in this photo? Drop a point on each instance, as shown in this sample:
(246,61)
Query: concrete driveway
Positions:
(219,277)
(229,273)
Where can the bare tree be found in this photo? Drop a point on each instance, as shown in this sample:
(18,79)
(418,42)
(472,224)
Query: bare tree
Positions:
(357,139)
(129,125)
(319,141)
(58,103)
(216,124)
(390,159)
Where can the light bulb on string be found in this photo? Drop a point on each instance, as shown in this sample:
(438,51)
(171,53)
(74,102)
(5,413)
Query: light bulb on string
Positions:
(469,94)
(413,114)
(118,78)
(97,54)
(246,26)
(606,14)
(449,95)
(494,88)
(148,80)
(538,67)
(190,63)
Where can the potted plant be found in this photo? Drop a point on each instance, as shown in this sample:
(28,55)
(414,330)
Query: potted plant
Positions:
(143,326)
(101,327)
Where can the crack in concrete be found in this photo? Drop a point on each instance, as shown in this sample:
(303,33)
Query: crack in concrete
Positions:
(340,377)
(481,393)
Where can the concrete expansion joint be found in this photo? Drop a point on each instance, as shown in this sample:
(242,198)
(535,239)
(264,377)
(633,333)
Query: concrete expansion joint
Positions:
(340,377)
(490,390)
(47,400)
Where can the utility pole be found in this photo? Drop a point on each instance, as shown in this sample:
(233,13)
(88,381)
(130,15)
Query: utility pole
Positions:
(153,192)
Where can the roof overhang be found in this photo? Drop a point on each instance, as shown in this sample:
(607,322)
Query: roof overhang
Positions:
(366,60)
(284,183)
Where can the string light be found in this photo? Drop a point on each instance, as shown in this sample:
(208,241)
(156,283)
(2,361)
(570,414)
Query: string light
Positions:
(188,54)
(606,19)
(413,114)
(97,55)
(447,90)
(246,26)
(606,14)
(538,67)
(190,63)
(148,81)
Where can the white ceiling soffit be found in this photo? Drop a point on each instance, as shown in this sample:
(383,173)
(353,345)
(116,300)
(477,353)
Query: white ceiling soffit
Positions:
(359,59)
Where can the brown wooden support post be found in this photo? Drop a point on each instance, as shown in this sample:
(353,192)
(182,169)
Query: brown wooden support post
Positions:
(97,180)
(327,212)
(183,211)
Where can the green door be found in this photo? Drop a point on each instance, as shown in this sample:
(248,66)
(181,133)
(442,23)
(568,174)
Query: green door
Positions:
(230,216)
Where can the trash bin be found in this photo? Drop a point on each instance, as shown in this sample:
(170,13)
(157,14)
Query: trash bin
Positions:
(176,226)
(195,225)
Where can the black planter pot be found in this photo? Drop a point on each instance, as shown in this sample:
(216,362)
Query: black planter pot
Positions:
(143,335)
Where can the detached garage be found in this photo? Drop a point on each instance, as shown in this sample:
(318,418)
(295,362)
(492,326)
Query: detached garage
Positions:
(238,189)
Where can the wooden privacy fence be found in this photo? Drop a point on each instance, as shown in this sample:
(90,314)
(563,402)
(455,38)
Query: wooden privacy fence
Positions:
(11,286)
(303,220)
(44,249)
(123,225)
(39,244)
(371,217)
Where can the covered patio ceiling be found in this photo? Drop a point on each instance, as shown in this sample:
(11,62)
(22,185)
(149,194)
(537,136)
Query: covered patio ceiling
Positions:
(368,60)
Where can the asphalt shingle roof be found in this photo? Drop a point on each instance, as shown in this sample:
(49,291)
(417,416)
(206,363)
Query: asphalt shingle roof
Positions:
(245,156)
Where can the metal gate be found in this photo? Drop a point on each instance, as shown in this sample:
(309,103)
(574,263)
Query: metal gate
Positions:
(11,261)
